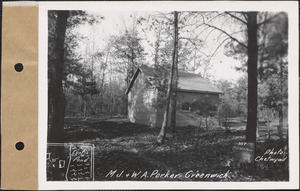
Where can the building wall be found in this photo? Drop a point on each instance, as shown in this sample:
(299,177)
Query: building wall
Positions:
(184,117)
(140,102)
(189,97)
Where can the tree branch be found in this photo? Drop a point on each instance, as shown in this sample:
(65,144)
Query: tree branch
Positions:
(233,16)
(164,16)
(269,19)
(219,46)
(245,16)
(209,34)
(193,43)
(234,39)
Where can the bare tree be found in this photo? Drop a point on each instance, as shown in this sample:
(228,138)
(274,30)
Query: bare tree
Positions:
(175,80)
(162,135)
(56,133)
(250,48)
(252,51)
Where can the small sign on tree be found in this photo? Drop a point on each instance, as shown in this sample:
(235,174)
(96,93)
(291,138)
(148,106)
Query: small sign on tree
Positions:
(243,152)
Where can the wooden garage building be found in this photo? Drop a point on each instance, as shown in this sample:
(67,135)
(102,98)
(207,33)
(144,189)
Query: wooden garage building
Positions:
(143,97)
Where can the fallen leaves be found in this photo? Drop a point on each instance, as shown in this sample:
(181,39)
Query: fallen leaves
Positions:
(132,147)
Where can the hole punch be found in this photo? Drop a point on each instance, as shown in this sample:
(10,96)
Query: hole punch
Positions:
(20,146)
(19,67)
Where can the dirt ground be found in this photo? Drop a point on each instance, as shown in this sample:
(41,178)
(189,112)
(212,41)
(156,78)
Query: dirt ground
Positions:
(131,148)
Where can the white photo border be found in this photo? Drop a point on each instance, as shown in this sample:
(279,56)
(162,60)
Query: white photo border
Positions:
(291,7)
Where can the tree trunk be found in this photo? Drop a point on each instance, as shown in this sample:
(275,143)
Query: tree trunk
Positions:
(174,107)
(50,95)
(257,129)
(56,133)
(198,133)
(269,131)
(206,124)
(175,80)
(280,126)
(128,69)
(268,123)
(103,68)
(111,91)
(157,46)
(162,135)
(280,112)
(85,107)
(252,50)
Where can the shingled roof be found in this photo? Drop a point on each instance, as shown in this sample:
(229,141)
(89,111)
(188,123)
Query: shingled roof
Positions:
(187,82)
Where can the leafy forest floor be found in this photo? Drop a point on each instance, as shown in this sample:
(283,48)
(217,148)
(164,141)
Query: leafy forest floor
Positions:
(129,147)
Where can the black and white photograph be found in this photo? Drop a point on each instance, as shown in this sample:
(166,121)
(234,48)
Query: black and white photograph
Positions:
(177,96)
